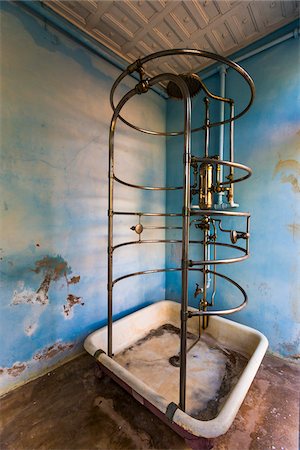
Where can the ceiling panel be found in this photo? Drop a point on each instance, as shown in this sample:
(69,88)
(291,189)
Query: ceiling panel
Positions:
(135,28)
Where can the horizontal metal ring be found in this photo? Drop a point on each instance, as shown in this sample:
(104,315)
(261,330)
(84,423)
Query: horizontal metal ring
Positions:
(146,188)
(154,241)
(222,312)
(145,272)
(229,164)
(210,212)
(208,262)
(193,52)
(129,213)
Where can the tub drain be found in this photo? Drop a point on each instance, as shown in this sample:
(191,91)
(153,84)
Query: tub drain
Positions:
(175,361)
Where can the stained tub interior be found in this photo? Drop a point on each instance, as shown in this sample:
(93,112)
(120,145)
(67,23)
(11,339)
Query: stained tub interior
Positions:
(212,368)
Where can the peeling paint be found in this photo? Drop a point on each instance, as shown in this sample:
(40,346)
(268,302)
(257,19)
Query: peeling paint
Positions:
(53,350)
(72,300)
(74,280)
(290,172)
(53,268)
(13,371)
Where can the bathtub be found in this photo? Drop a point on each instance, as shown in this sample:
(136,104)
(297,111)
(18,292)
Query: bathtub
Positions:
(154,328)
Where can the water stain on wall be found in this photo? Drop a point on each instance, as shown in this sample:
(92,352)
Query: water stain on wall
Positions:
(48,353)
(13,371)
(290,173)
(72,300)
(53,350)
(52,268)
(294,228)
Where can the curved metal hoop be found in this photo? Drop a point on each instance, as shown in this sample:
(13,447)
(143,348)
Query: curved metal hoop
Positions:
(192,52)
(196,313)
(229,164)
(154,241)
(192,263)
(146,272)
(222,261)
(223,312)
(147,188)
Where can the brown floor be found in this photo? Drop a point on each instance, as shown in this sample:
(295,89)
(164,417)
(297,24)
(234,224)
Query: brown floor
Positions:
(71,409)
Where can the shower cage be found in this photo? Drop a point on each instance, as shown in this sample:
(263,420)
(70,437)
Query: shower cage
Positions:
(204,184)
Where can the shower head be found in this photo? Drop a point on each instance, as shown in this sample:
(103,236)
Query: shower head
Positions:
(193,83)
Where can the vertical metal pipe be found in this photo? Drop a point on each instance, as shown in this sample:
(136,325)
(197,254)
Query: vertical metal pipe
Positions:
(185,246)
(221,135)
(212,301)
(205,257)
(231,157)
(248,232)
(110,235)
(206,100)
(110,220)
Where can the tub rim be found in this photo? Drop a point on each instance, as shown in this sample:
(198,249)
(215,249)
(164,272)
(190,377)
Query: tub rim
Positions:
(198,428)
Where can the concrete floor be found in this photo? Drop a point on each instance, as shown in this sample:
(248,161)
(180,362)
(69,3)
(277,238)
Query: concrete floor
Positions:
(72,409)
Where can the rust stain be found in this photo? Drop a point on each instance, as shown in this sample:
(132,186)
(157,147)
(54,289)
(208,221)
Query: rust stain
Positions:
(52,351)
(13,371)
(74,280)
(53,268)
(290,172)
(294,228)
(72,300)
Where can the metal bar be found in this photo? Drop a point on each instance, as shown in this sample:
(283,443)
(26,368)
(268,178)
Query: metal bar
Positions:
(129,213)
(110,219)
(205,212)
(248,232)
(212,301)
(185,243)
(222,72)
(220,261)
(192,52)
(147,188)
(222,311)
(204,273)
(162,228)
(145,272)
(231,151)
(226,163)
(154,241)
(206,101)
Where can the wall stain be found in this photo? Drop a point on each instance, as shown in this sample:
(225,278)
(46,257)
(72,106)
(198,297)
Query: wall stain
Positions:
(52,268)
(290,173)
(294,228)
(52,351)
(74,280)
(13,371)
(72,300)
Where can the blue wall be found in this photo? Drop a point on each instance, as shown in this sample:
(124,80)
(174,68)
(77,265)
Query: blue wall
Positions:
(54,151)
(55,119)
(266,139)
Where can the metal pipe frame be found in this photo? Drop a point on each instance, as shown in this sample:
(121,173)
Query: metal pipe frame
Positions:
(147,188)
(191,52)
(186,265)
(222,312)
(226,163)
(143,87)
